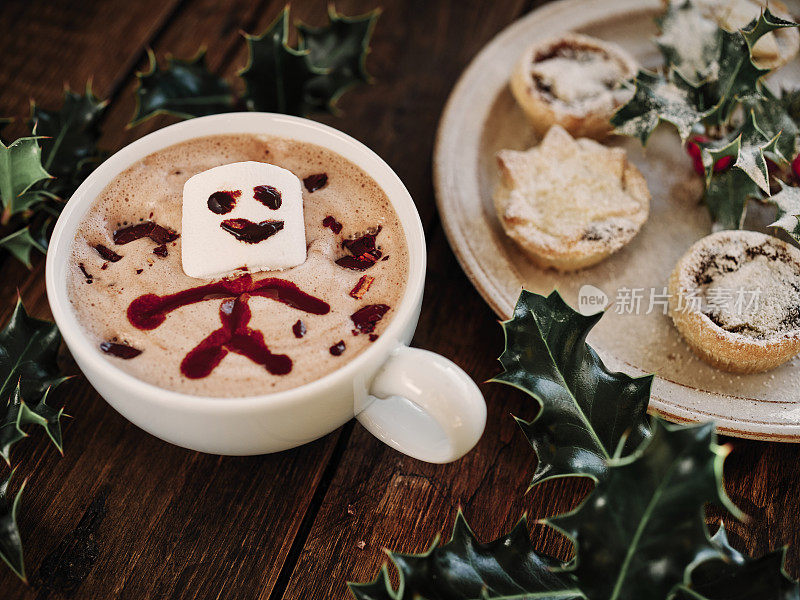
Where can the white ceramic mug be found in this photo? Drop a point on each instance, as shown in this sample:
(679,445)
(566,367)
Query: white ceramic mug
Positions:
(414,400)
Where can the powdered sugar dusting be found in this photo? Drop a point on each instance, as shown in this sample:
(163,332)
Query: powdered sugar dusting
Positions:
(748,284)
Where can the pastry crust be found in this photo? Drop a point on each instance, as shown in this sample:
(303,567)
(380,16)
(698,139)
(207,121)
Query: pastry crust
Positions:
(771,51)
(573,81)
(756,338)
(570,203)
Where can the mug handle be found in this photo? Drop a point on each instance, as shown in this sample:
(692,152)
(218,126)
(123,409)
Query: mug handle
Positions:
(424,405)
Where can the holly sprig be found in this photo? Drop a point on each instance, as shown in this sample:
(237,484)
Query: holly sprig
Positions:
(28,372)
(39,173)
(306,78)
(739,133)
(640,533)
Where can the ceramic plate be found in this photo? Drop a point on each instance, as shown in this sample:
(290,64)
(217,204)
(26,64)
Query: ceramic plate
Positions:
(481,117)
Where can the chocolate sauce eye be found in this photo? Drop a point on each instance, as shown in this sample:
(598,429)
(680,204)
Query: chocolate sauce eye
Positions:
(268,196)
(222,202)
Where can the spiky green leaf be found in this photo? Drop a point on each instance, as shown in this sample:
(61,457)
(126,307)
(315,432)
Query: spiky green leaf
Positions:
(464,569)
(726,197)
(185,88)
(10,540)
(775,120)
(70,151)
(643,524)
(730,575)
(277,75)
(588,414)
(340,48)
(790,102)
(748,147)
(788,203)
(658,98)
(20,244)
(28,351)
(736,76)
(17,414)
(689,42)
(20,168)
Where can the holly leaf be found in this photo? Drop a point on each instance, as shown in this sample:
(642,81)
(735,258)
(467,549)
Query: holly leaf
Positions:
(465,569)
(790,102)
(28,350)
(731,575)
(726,197)
(587,414)
(341,49)
(657,98)
(773,119)
(788,203)
(737,76)
(747,148)
(643,524)
(70,153)
(687,40)
(20,168)
(18,414)
(10,540)
(20,244)
(277,75)
(185,89)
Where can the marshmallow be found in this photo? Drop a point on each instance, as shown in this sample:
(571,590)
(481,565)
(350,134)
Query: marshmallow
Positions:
(244,214)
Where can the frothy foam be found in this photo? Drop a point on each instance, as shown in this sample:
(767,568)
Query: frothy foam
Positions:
(151,190)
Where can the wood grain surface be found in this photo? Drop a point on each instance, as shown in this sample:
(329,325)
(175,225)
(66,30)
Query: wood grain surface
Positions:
(124,515)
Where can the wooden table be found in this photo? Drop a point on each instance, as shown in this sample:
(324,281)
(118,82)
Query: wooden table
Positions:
(124,515)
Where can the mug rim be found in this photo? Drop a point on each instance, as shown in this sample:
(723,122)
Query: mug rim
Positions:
(255,123)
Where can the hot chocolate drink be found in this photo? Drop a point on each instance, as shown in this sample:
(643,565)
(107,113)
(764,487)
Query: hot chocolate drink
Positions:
(248,333)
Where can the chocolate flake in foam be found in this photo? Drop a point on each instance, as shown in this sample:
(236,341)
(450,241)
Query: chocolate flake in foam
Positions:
(154,186)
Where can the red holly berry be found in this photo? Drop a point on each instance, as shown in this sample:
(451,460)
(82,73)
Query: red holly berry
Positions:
(723,163)
(695,151)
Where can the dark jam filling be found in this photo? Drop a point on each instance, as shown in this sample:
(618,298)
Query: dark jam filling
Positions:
(120,350)
(367,318)
(569,51)
(107,253)
(715,264)
(222,202)
(246,231)
(363,252)
(315,182)
(148,229)
(597,234)
(268,196)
